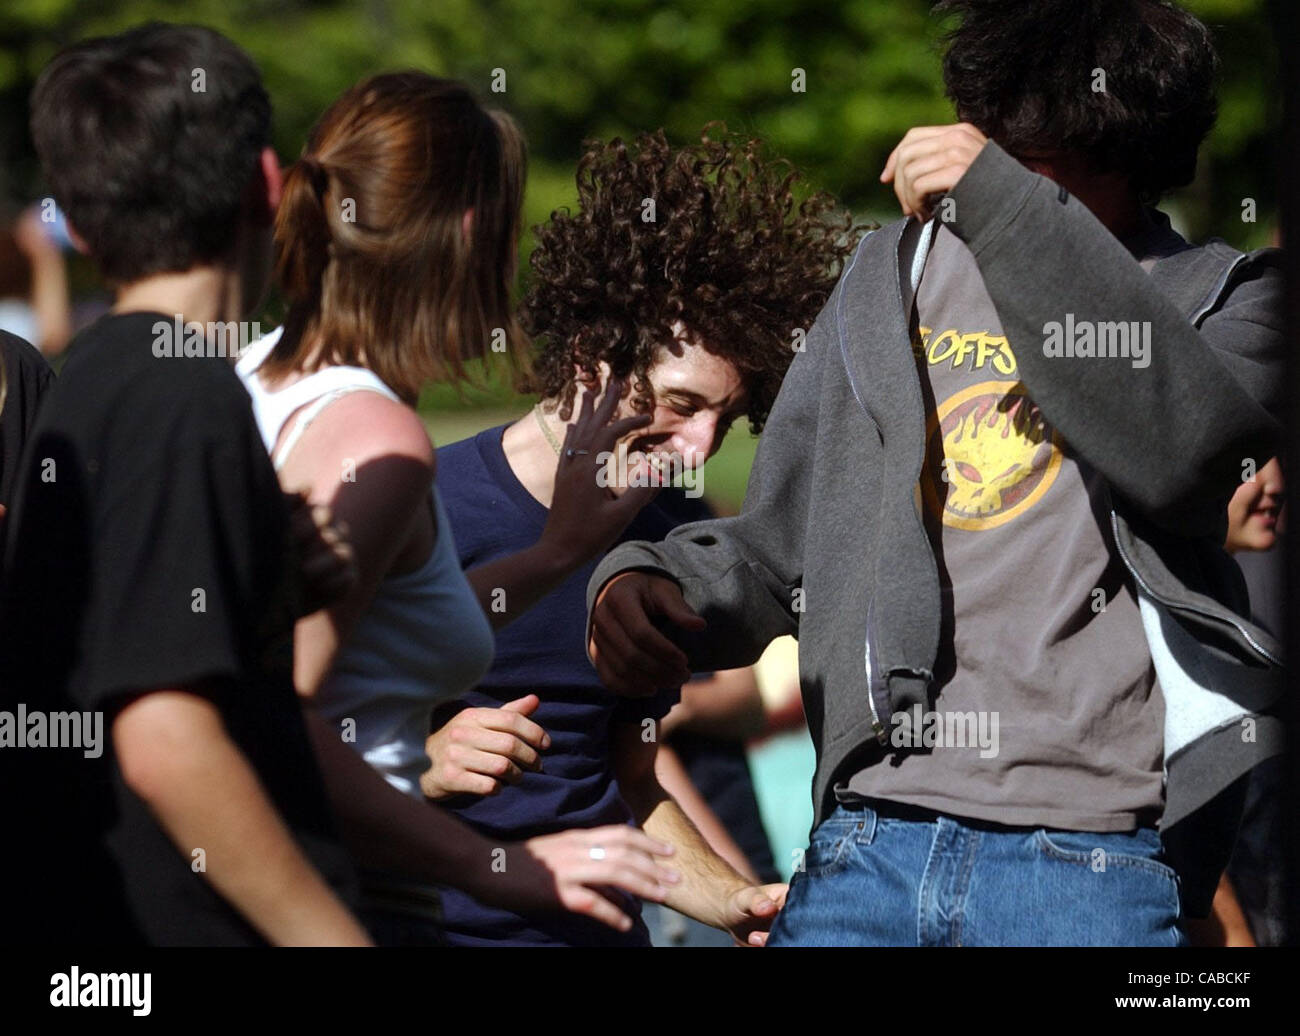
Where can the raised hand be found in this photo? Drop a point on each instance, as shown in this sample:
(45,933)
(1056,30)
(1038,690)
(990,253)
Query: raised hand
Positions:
(928,162)
(587,517)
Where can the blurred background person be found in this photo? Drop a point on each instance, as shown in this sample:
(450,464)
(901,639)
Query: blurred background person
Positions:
(34,299)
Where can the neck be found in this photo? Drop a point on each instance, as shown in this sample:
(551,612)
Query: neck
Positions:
(203,295)
(1124,216)
(531,456)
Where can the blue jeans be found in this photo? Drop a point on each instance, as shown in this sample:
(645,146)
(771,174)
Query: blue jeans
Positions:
(873,879)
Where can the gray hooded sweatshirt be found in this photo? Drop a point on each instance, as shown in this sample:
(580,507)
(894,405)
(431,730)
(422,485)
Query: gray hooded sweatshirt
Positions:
(830,545)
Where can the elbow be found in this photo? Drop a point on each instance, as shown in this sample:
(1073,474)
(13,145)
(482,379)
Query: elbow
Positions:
(161,741)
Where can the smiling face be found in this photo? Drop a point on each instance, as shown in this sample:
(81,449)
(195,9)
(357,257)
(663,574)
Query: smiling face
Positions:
(697,397)
(1255,510)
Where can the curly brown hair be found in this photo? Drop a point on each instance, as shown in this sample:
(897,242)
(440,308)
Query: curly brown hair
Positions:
(730,253)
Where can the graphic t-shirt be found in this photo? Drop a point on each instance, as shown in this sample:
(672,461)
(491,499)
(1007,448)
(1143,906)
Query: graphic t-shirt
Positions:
(493,516)
(146,551)
(1047,713)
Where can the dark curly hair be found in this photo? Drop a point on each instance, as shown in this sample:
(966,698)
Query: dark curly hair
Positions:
(730,254)
(1022,71)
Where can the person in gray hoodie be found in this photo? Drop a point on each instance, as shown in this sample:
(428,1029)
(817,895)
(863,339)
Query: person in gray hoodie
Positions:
(1027,664)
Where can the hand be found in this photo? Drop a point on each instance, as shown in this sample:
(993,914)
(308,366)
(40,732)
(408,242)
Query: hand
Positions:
(631,657)
(327,567)
(478,751)
(32,237)
(586,517)
(749,913)
(558,872)
(928,162)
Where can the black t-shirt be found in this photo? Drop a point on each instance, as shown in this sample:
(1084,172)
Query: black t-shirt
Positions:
(27,378)
(146,550)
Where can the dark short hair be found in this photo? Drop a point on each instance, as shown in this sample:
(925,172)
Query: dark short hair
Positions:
(731,253)
(1023,72)
(149,140)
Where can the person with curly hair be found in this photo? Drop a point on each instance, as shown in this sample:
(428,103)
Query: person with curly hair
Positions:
(683,279)
(995,484)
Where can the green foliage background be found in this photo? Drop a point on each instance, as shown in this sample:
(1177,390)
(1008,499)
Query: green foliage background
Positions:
(596,68)
(580,68)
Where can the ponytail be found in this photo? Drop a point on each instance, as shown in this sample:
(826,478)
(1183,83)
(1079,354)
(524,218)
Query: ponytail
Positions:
(302,233)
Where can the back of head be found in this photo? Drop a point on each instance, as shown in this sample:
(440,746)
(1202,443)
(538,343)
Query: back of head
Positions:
(149,140)
(1126,84)
(374,250)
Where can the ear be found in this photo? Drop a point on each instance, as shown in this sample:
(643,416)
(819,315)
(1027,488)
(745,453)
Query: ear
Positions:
(466,225)
(78,242)
(266,188)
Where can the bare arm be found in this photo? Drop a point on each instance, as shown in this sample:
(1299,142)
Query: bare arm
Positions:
(50,300)
(711,890)
(678,786)
(726,705)
(175,755)
(585,516)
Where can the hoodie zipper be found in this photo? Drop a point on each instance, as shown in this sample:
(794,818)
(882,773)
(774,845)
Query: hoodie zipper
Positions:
(873,679)
(1128,563)
(877,682)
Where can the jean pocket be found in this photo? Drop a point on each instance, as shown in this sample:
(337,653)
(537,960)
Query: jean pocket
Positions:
(1099,851)
(828,851)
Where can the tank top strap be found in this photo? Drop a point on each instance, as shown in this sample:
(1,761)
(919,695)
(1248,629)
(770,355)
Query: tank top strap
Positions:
(314,404)
(307,397)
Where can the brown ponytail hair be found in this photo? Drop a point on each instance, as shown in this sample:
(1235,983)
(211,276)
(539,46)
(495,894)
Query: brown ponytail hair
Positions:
(371,253)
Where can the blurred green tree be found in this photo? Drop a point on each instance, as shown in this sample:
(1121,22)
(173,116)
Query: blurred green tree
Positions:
(830,85)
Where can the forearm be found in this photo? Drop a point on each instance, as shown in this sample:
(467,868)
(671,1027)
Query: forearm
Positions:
(677,784)
(50,301)
(707,880)
(508,587)
(207,797)
(726,705)
(388,830)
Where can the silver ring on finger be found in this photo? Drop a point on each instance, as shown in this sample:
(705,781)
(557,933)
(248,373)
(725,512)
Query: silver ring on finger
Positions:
(596,852)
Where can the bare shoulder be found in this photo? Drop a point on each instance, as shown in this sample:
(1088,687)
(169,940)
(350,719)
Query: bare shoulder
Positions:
(371,425)
(363,433)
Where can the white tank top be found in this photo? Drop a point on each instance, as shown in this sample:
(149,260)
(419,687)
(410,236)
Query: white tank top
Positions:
(422,640)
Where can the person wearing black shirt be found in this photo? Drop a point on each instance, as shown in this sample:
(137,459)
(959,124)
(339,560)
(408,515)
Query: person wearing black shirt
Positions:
(25,377)
(147,599)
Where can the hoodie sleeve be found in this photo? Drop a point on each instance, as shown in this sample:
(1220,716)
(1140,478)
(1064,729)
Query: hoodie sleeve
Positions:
(1172,436)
